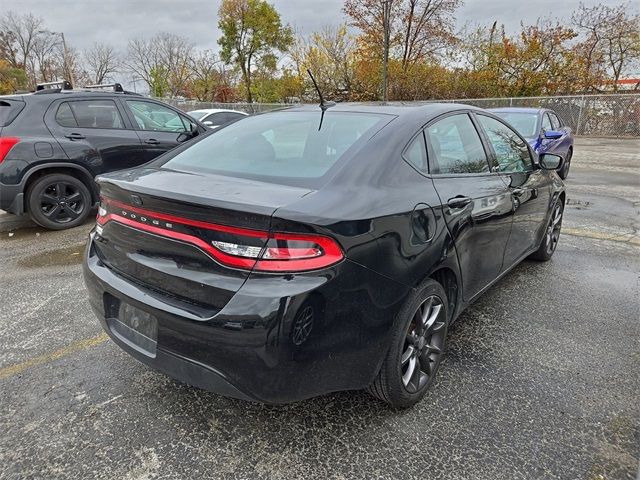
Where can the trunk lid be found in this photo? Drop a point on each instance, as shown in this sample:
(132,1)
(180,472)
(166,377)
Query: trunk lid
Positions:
(162,223)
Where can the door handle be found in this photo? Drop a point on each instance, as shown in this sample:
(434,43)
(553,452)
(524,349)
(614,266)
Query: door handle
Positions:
(152,141)
(75,136)
(459,202)
(517,191)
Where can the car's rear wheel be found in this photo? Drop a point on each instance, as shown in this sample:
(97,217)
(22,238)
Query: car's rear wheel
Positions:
(58,201)
(416,350)
(563,173)
(551,234)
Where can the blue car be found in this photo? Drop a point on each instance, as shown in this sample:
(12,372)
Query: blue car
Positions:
(544,130)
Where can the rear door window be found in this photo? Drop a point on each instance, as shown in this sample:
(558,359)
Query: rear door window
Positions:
(90,114)
(157,118)
(455,146)
(555,121)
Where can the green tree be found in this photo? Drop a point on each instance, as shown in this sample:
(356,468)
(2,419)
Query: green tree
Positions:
(158,84)
(252,32)
(11,79)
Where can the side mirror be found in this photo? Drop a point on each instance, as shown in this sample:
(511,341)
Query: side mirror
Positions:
(184,136)
(552,134)
(550,161)
(208,123)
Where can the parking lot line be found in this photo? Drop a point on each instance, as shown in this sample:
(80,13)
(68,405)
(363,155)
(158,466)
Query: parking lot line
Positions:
(598,235)
(78,346)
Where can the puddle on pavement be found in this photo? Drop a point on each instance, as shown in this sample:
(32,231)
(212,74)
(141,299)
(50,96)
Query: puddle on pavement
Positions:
(64,256)
(578,204)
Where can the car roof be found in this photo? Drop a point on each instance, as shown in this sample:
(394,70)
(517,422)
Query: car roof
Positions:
(518,110)
(50,95)
(408,111)
(209,111)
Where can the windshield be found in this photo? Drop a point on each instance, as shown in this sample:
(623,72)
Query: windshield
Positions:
(282,147)
(525,123)
(197,114)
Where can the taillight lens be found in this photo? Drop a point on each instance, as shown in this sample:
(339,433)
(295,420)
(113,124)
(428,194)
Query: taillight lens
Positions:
(6,144)
(234,247)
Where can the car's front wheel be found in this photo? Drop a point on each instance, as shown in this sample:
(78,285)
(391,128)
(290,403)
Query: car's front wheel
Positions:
(551,234)
(58,201)
(416,350)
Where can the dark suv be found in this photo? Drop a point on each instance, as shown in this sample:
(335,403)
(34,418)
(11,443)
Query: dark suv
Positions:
(53,142)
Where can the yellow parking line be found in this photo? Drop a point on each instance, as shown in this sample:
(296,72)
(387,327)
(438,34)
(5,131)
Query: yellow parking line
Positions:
(55,355)
(582,232)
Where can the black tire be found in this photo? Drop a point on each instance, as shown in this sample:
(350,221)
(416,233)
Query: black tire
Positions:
(551,234)
(58,201)
(391,384)
(563,173)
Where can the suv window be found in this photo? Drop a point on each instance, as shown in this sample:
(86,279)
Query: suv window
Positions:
(65,117)
(89,114)
(512,154)
(546,123)
(156,118)
(455,146)
(555,121)
(9,111)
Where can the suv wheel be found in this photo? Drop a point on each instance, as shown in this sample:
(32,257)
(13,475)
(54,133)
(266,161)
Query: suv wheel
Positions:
(58,201)
(416,350)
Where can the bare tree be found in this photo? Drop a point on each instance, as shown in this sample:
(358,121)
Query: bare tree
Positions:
(330,55)
(165,55)
(101,61)
(610,39)
(418,29)
(19,35)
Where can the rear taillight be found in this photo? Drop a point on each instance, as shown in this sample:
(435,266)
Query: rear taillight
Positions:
(6,144)
(234,247)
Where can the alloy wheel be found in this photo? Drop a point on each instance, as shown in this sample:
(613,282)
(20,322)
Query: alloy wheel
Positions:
(423,344)
(61,202)
(553,230)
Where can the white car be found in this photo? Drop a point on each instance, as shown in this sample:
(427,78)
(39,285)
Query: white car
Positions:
(216,117)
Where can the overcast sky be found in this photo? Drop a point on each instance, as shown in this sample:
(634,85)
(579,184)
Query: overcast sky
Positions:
(115,21)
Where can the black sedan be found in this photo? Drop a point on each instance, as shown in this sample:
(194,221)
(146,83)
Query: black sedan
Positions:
(303,251)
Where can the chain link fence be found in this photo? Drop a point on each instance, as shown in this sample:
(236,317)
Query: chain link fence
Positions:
(589,115)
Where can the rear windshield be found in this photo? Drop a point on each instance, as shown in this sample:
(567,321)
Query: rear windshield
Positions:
(525,123)
(283,147)
(9,110)
(198,114)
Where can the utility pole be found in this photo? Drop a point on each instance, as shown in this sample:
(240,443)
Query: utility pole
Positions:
(386,25)
(65,55)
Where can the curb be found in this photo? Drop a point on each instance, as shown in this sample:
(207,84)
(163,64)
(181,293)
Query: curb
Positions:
(9,222)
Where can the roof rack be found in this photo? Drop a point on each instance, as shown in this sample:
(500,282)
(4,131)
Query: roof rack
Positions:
(57,85)
(115,86)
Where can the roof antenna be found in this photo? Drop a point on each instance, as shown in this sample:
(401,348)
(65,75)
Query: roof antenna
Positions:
(323,105)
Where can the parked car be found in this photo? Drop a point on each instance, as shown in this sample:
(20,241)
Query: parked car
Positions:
(544,130)
(217,117)
(55,141)
(300,252)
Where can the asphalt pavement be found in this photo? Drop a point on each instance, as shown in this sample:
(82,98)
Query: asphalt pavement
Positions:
(541,377)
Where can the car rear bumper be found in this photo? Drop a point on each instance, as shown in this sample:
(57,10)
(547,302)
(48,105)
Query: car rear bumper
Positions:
(11,198)
(253,348)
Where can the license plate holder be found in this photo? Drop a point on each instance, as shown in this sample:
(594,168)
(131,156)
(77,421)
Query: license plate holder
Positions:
(136,328)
